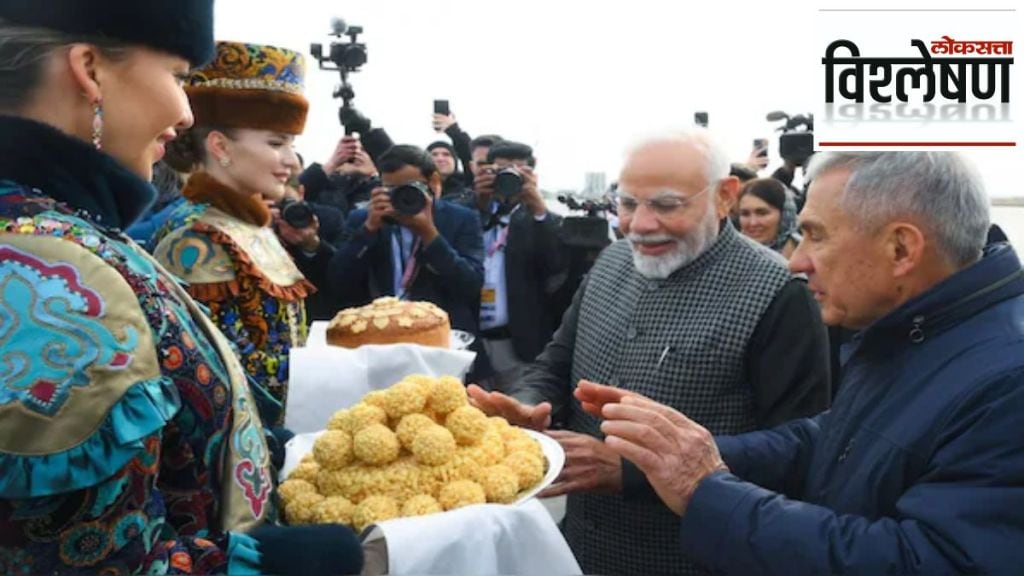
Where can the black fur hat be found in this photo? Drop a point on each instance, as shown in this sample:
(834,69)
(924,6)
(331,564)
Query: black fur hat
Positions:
(182,27)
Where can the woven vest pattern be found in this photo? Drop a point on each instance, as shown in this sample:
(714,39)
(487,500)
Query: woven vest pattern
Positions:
(704,315)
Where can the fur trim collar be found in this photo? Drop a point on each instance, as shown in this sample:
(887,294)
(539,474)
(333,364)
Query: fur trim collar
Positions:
(71,171)
(205,189)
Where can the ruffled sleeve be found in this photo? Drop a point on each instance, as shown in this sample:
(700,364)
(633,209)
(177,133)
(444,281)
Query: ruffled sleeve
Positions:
(144,409)
(81,386)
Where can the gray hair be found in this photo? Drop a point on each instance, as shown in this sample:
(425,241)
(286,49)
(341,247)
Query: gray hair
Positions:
(716,159)
(23,54)
(942,189)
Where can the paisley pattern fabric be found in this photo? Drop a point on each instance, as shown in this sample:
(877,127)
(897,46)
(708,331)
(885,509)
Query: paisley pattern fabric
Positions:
(259,305)
(178,461)
(252,66)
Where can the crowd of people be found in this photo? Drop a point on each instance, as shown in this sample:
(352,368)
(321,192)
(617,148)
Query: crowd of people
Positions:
(752,379)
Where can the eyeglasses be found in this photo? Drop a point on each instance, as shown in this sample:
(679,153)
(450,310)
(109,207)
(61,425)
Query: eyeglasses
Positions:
(665,205)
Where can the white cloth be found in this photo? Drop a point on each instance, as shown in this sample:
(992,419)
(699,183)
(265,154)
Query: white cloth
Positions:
(482,539)
(323,379)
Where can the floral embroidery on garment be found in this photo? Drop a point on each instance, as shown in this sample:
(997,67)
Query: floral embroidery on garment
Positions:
(250,476)
(257,303)
(47,313)
(145,516)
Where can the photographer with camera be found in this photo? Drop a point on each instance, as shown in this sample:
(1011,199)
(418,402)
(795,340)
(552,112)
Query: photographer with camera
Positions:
(410,245)
(344,181)
(310,232)
(525,262)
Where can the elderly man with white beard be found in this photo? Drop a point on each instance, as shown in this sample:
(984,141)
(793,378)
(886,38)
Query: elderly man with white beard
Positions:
(683,310)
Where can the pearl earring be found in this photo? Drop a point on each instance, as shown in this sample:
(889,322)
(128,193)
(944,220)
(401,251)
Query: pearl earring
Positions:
(225,162)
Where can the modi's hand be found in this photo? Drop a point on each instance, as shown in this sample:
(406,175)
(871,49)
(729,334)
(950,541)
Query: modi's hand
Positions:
(590,466)
(518,414)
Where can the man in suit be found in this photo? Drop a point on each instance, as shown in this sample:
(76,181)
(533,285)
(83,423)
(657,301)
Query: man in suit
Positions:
(434,255)
(525,263)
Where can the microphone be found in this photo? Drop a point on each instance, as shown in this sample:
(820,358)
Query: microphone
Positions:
(338,26)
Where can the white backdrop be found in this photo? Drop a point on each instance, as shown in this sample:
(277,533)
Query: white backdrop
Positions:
(579,81)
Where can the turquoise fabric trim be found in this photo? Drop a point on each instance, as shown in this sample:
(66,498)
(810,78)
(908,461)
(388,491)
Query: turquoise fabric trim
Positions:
(268,407)
(243,555)
(144,409)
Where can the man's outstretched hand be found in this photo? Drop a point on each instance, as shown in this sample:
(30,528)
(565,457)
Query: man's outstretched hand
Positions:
(594,396)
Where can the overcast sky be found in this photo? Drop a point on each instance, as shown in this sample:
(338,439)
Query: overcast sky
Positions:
(578,81)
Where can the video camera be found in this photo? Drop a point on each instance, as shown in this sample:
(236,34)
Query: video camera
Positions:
(584,238)
(589,231)
(345,58)
(592,208)
(795,145)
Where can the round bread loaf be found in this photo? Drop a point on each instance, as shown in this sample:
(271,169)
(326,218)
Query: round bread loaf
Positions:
(390,321)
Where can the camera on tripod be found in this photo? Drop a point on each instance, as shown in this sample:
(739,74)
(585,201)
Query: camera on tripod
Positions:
(796,144)
(344,58)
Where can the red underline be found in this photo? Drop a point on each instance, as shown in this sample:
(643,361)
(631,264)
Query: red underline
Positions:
(979,144)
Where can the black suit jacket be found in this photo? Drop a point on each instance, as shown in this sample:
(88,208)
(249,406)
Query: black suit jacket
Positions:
(321,305)
(535,268)
(450,268)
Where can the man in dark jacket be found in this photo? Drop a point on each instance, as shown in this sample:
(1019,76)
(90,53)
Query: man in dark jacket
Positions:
(918,467)
(345,180)
(687,310)
(436,255)
(525,265)
(312,248)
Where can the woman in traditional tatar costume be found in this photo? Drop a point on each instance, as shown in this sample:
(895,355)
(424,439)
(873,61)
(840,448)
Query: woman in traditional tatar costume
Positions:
(248,106)
(129,440)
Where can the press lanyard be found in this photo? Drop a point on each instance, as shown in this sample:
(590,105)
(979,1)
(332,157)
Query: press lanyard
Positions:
(502,239)
(408,266)
(499,242)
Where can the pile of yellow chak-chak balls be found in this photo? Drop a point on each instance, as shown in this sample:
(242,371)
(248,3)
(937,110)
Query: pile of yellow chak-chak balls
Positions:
(415,448)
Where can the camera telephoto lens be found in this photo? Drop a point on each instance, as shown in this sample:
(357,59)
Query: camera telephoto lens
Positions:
(508,182)
(296,213)
(409,199)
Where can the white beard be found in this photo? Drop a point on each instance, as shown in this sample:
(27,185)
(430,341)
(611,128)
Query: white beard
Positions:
(687,249)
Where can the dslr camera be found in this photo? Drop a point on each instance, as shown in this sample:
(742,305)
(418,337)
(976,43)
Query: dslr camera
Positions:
(409,199)
(508,182)
(297,213)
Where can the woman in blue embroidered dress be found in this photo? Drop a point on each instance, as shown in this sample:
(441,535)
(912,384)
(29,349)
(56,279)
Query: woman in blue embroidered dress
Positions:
(129,439)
